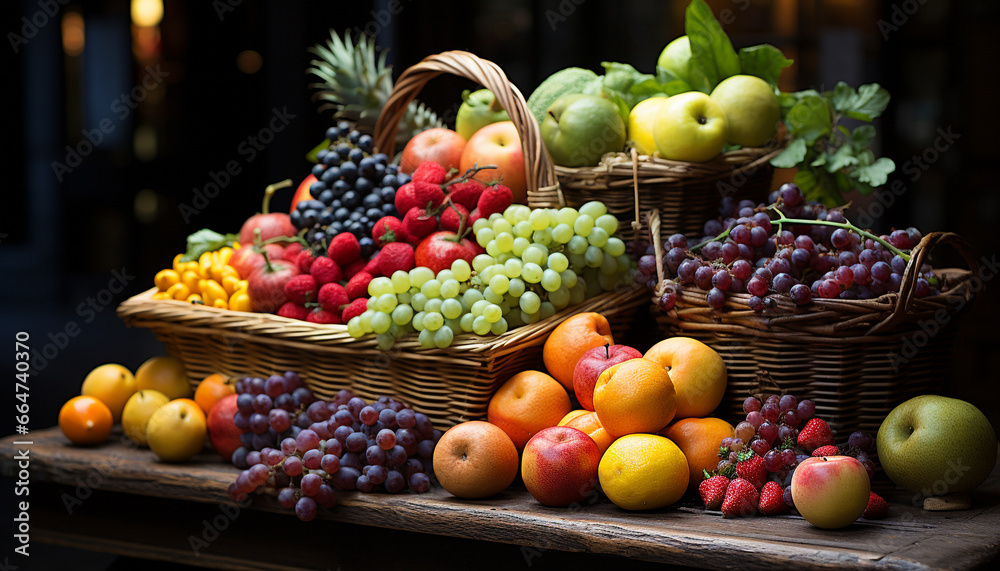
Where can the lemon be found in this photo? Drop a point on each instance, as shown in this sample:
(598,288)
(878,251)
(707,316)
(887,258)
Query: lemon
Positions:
(111,384)
(641,121)
(139,408)
(643,471)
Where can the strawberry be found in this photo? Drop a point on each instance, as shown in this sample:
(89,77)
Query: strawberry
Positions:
(333,297)
(826,451)
(356,308)
(320,315)
(877,507)
(396,257)
(301,289)
(344,248)
(325,271)
(305,261)
(372,266)
(772,501)
(357,287)
(816,433)
(388,229)
(474,215)
(466,193)
(292,251)
(495,198)
(352,269)
(752,469)
(418,193)
(452,217)
(419,223)
(741,499)
(292,310)
(712,491)
(431,172)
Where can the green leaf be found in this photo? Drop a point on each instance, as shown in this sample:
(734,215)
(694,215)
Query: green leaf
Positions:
(206,240)
(842,97)
(867,103)
(312,156)
(862,136)
(793,154)
(764,61)
(841,158)
(809,119)
(819,161)
(653,88)
(876,173)
(712,55)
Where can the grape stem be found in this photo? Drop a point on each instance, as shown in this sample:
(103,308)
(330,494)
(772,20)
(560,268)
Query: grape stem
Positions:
(782,219)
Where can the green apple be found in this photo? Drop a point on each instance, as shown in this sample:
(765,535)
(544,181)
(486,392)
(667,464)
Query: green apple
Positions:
(478,109)
(641,121)
(934,445)
(579,129)
(676,57)
(690,127)
(751,108)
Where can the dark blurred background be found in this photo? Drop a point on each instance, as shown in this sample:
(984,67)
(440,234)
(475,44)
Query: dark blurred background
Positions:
(180,87)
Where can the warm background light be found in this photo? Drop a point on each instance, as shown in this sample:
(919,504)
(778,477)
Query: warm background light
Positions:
(249,61)
(147,13)
(73,37)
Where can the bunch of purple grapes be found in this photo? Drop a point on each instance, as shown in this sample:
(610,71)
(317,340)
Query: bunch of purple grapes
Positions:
(268,411)
(347,445)
(801,261)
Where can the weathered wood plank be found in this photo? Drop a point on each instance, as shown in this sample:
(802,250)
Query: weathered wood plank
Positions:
(910,538)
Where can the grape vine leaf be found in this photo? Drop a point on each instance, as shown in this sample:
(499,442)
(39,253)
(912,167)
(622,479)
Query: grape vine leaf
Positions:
(792,155)
(876,173)
(712,55)
(764,61)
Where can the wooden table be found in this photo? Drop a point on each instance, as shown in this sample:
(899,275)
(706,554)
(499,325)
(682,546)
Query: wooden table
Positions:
(127,499)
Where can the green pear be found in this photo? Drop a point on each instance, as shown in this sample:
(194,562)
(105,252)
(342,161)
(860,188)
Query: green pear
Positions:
(933,445)
(676,57)
(751,108)
(579,129)
(479,109)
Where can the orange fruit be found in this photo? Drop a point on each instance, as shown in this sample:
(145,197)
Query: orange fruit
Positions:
(634,396)
(571,415)
(697,371)
(165,374)
(214,388)
(699,439)
(527,403)
(111,384)
(570,340)
(475,460)
(591,425)
(85,420)
(643,472)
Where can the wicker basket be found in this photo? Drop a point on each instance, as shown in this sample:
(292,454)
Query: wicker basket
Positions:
(856,359)
(449,385)
(685,194)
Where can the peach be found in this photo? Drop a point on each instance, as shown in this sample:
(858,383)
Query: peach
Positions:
(831,491)
(475,460)
(697,371)
(559,466)
(572,338)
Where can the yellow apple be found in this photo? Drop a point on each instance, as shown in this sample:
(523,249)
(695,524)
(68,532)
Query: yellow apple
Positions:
(177,430)
(690,127)
(751,109)
(830,491)
(165,374)
(640,124)
(111,384)
(697,371)
(138,410)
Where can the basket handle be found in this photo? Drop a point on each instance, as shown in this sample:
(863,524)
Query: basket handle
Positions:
(538,165)
(654,231)
(635,188)
(908,285)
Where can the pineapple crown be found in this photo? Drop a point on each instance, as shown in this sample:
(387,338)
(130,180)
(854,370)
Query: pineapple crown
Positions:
(355,83)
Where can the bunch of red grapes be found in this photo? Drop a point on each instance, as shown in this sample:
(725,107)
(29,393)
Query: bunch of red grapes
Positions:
(744,251)
(343,444)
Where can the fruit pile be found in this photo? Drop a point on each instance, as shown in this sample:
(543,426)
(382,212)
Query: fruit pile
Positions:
(790,247)
(303,448)
(351,189)
(210,280)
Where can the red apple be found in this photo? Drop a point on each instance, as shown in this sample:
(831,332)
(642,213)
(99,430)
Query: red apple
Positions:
(440,145)
(440,249)
(830,491)
(302,192)
(248,259)
(266,285)
(592,364)
(266,225)
(559,466)
(498,144)
(222,431)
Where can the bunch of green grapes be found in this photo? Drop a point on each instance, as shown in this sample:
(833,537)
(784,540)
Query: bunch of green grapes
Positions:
(537,262)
